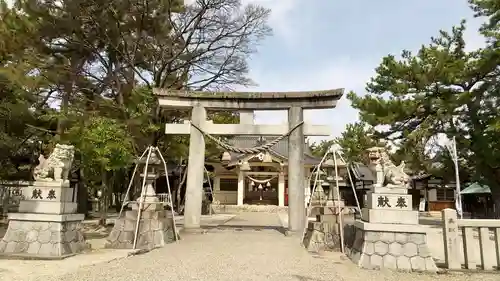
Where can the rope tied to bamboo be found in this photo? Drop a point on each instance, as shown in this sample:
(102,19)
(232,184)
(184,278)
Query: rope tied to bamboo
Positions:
(253,150)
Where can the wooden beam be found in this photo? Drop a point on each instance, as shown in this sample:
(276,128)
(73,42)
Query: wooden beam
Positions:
(246,129)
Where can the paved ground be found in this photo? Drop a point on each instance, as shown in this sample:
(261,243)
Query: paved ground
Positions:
(237,255)
(234,251)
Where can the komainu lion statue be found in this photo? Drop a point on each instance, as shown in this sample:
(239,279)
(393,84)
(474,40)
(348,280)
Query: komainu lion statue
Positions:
(388,174)
(57,166)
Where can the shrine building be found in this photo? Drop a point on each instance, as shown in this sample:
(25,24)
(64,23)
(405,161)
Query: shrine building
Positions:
(262,179)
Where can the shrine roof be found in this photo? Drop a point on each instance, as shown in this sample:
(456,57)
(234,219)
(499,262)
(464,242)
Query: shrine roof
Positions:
(279,150)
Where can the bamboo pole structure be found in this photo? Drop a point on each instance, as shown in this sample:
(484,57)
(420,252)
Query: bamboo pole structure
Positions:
(142,197)
(174,227)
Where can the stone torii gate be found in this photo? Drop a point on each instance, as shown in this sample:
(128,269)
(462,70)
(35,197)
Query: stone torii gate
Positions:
(294,102)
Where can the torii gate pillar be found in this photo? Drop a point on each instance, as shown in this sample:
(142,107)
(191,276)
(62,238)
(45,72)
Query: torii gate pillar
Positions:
(196,163)
(294,102)
(296,196)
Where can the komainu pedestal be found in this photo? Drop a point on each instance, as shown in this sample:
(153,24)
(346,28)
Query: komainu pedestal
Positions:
(46,226)
(155,230)
(389,236)
(43,236)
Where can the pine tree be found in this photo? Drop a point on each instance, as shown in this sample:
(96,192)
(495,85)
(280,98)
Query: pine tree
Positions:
(442,89)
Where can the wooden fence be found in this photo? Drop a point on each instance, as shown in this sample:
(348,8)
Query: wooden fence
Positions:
(462,238)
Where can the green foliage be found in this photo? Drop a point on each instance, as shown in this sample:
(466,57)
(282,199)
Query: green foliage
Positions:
(442,89)
(104,143)
(20,96)
(489,9)
(354,141)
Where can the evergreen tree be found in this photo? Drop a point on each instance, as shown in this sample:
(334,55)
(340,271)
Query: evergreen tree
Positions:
(442,89)
(354,142)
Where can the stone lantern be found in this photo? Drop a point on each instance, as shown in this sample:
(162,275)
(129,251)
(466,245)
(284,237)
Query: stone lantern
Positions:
(318,196)
(333,197)
(147,225)
(148,194)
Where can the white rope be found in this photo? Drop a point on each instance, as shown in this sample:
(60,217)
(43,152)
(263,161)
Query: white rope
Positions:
(261,181)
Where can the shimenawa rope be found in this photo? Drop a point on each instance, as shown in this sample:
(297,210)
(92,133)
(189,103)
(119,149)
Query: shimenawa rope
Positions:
(253,150)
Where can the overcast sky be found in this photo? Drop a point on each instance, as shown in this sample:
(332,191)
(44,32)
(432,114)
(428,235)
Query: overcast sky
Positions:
(328,44)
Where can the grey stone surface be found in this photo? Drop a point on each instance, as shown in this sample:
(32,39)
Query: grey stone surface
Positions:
(296,196)
(410,249)
(396,249)
(369,248)
(38,239)
(401,238)
(403,263)
(376,261)
(194,192)
(155,230)
(323,234)
(390,262)
(423,251)
(381,248)
(399,251)
(217,256)
(417,263)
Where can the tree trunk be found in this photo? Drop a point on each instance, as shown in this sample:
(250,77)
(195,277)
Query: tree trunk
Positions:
(82,195)
(179,190)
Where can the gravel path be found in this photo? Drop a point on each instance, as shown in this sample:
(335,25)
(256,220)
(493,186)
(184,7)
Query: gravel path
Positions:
(238,256)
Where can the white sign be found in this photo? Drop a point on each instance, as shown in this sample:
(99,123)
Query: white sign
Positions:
(421,206)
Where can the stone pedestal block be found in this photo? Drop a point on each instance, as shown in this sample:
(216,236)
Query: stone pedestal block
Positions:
(391,246)
(322,236)
(48,197)
(386,201)
(155,230)
(390,190)
(324,233)
(389,216)
(43,236)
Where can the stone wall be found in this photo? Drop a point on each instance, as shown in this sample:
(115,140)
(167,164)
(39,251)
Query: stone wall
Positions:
(43,239)
(389,250)
(155,230)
